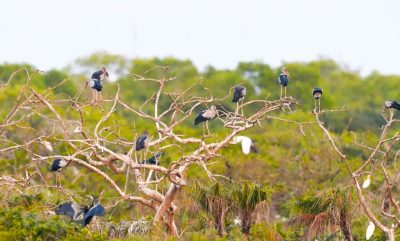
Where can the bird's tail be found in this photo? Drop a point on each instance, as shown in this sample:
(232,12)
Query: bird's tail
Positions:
(396,105)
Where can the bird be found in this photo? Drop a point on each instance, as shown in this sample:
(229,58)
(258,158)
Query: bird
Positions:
(238,96)
(56,166)
(247,144)
(317,94)
(81,213)
(366,182)
(142,141)
(370,230)
(391,104)
(205,116)
(283,79)
(96,209)
(154,160)
(95,82)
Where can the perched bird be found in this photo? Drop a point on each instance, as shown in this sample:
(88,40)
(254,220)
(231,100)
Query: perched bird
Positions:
(154,160)
(317,94)
(95,82)
(247,144)
(367,182)
(56,166)
(238,96)
(205,116)
(81,213)
(370,230)
(283,79)
(391,104)
(142,141)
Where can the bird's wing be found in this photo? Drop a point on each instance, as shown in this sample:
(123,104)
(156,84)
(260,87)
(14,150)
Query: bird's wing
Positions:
(246,144)
(370,230)
(97,210)
(208,114)
(66,209)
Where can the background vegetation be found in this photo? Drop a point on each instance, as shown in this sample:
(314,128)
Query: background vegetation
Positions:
(295,173)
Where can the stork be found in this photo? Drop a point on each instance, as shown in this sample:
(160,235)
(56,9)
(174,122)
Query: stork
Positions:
(154,160)
(56,166)
(142,141)
(247,144)
(81,213)
(283,79)
(95,83)
(317,94)
(205,116)
(238,96)
(391,104)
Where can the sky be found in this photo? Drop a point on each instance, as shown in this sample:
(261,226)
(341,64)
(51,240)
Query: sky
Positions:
(363,35)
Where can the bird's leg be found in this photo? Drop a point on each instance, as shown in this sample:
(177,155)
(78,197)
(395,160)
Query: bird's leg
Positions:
(281,91)
(208,131)
(58,179)
(241,106)
(100,96)
(203,129)
(237,108)
(93,95)
(315,105)
(319,105)
(285,91)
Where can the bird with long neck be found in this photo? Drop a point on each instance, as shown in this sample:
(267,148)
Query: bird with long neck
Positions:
(205,116)
(95,83)
(283,79)
(317,94)
(238,96)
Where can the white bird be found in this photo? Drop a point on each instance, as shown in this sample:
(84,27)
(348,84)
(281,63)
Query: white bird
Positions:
(247,144)
(370,230)
(237,221)
(78,129)
(366,182)
(48,146)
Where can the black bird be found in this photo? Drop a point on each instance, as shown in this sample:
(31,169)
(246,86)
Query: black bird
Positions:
(391,104)
(95,210)
(142,141)
(283,79)
(81,213)
(238,96)
(317,94)
(56,166)
(154,160)
(95,82)
(205,116)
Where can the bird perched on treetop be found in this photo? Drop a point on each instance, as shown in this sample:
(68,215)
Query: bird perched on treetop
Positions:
(95,82)
(154,160)
(142,141)
(283,79)
(81,213)
(205,116)
(56,166)
(391,104)
(317,94)
(238,96)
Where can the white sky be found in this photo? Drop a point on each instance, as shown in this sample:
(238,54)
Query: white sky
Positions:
(364,34)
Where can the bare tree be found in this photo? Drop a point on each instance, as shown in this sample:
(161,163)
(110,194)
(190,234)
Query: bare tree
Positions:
(102,147)
(381,164)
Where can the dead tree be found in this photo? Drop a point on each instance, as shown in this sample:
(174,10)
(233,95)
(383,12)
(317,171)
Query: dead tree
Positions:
(380,162)
(94,146)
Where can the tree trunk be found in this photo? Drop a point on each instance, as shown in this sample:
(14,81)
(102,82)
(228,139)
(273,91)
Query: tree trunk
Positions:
(246,223)
(220,224)
(345,227)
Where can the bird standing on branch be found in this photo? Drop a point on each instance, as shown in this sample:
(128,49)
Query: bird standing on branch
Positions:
(205,116)
(283,79)
(238,96)
(154,160)
(56,166)
(142,141)
(317,94)
(391,104)
(95,83)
